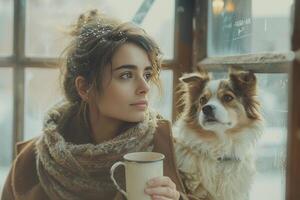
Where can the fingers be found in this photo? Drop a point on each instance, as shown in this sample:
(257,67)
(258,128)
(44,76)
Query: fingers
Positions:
(160,198)
(162,188)
(166,192)
(161,181)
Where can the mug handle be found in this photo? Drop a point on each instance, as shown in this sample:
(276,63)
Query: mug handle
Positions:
(112,170)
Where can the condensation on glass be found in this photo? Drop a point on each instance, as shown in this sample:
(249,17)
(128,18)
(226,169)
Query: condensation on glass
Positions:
(249,26)
(6,27)
(6,117)
(271,151)
(162,101)
(46,22)
(269,182)
(42,90)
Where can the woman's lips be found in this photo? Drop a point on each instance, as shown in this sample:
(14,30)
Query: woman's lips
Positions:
(142,105)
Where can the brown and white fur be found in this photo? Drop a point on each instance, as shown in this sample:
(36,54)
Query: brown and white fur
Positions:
(216,134)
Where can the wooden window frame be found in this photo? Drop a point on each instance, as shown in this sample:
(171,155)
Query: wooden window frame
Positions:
(261,63)
(293,155)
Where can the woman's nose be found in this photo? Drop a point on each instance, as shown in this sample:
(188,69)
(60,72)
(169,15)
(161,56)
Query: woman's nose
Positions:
(143,86)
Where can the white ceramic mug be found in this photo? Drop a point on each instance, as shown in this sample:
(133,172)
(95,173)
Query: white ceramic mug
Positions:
(139,168)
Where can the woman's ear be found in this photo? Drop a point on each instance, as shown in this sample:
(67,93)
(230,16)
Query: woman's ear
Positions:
(82,88)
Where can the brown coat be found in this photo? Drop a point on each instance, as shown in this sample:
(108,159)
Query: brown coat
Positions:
(23,184)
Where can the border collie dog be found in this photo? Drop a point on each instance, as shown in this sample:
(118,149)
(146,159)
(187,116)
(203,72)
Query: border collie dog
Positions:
(216,134)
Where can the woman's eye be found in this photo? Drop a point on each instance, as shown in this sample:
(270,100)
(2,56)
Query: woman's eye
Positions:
(126,75)
(227,98)
(148,76)
(203,100)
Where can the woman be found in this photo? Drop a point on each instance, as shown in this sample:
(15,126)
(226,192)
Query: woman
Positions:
(108,70)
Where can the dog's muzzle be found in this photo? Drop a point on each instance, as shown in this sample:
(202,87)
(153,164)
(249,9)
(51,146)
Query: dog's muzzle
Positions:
(209,113)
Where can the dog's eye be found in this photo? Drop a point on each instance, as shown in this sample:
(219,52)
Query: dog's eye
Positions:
(227,98)
(203,100)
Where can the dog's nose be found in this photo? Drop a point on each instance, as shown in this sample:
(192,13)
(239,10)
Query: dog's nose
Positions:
(208,110)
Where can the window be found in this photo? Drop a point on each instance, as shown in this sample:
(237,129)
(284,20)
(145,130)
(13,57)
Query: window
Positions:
(6,88)
(249,26)
(255,35)
(39,97)
(6,111)
(6,27)
(46,22)
(163,104)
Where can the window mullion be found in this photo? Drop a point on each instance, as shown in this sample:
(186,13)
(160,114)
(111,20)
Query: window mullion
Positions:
(293,158)
(18,70)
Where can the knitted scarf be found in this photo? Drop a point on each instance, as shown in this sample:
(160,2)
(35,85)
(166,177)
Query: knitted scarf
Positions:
(73,171)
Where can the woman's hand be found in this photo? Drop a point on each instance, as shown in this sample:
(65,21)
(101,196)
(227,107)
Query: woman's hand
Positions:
(162,188)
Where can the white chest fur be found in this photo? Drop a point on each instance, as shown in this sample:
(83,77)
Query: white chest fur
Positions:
(218,170)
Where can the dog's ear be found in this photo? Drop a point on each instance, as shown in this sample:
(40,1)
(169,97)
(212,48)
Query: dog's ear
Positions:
(243,82)
(200,69)
(188,78)
(194,78)
(198,76)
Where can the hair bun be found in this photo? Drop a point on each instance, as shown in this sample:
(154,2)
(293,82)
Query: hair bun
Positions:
(90,17)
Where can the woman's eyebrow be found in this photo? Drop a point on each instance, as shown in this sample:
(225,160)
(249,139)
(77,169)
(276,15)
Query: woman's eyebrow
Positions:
(134,67)
(149,68)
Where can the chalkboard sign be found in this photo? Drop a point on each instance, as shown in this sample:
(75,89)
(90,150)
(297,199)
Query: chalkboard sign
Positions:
(230,30)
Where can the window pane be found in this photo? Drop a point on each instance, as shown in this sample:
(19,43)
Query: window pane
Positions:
(249,26)
(163,104)
(42,90)
(271,151)
(6,116)
(269,182)
(6,27)
(46,20)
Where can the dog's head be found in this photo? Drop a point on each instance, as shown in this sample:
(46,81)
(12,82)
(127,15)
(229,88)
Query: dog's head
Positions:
(222,106)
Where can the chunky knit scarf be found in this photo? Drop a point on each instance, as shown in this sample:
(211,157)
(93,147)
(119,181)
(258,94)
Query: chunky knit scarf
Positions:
(69,171)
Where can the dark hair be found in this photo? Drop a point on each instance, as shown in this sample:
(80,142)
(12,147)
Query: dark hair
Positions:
(96,38)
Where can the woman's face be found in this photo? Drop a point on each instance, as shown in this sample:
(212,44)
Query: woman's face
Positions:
(126,87)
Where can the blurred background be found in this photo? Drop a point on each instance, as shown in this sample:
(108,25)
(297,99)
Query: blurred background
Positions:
(234,27)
